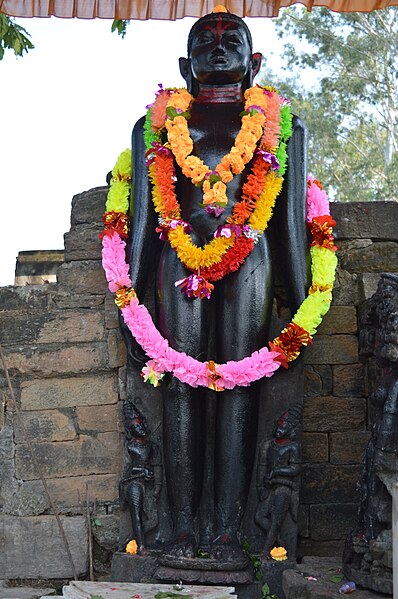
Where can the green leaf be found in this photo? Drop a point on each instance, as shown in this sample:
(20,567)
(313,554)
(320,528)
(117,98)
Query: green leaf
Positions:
(96,597)
(120,26)
(96,522)
(336,578)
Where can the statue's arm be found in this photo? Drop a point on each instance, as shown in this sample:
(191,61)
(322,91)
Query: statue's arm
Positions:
(290,233)
(142,244)
(142,241)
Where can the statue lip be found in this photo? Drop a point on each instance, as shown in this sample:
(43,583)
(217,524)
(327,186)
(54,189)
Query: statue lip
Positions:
(218,60)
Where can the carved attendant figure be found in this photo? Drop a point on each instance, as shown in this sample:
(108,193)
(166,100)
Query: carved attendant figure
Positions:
(142,472)
(279,465)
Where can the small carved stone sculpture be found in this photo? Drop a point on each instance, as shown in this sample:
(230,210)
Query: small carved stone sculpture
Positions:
(140,488)
(278,470)
(368,552)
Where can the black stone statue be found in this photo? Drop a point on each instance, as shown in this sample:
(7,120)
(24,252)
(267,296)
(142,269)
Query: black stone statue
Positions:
(278,469)
(209,440)
(368,552)
(141,484)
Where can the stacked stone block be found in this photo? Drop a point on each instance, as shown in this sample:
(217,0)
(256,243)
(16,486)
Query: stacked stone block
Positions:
(66,360)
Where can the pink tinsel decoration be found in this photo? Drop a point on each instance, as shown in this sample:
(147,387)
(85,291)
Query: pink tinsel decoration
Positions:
(317,200)
(114,262)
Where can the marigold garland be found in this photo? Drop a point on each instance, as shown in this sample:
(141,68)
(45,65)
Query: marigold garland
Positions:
(263,363)
(266,120)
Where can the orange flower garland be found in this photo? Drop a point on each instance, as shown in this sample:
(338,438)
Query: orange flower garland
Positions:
(265,115)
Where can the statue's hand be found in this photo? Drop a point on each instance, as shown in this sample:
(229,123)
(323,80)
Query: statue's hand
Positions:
(148,474)
(134,350)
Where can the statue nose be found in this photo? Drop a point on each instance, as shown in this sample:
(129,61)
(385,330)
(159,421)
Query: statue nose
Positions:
(218,50)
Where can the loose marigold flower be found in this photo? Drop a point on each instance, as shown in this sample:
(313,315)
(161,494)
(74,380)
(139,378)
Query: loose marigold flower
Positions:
(132,547)
(279,554)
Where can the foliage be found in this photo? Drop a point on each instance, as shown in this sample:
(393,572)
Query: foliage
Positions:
(120,26)
(13,37)
(352,109)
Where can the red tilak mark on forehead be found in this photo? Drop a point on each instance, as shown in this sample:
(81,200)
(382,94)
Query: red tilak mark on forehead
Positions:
(220,27)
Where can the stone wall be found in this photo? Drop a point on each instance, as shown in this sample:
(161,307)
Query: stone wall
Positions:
(335,420)
(66,361)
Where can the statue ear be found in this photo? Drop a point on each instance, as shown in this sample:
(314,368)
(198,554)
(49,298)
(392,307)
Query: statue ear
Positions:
(256,63)
(186,72)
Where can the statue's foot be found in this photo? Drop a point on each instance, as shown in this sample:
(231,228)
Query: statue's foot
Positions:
(227,549)
(184,545)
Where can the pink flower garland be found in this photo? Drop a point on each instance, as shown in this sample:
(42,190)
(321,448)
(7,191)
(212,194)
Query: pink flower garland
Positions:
(259,364)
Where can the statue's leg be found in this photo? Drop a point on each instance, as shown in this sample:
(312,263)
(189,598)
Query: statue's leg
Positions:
(280,512)
(244,304)
(135,499)
(181,320)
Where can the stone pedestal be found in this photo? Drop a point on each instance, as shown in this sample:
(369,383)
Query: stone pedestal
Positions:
(137,568)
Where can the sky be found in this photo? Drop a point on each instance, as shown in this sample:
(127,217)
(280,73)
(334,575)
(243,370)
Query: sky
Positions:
(67,109)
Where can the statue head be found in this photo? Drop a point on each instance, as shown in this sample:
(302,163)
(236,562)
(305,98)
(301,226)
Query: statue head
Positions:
(219,53)
(135,423)
(288,424)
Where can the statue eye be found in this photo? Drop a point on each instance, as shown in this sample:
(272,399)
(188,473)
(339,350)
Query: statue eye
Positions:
(233,38)
(204,38)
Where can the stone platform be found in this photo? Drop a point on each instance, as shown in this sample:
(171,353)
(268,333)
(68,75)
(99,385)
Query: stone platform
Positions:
(136,568)
(121,590)
(318,578)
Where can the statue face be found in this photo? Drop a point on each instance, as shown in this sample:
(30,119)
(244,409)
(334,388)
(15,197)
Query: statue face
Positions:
(220,53)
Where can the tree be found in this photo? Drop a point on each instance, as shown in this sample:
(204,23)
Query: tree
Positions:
(13,37)
(351,109)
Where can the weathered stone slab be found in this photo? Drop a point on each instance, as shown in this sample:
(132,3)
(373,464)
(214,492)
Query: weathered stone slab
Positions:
(317,380)
(116,349)
(297,585)
(88,207)
(315,447)
(83,276)
(333,349)
(81,358)
(368,283)
(86,455)
(82,242)
(91,390)
(358,220)
(339,320)
(378,257)
(14,592)
(303,521)
(107,590)
(326,414)
(46,426)
(349,380)
(66,492)
(6,442)
(31,298)
(332,521)
(345,290)
(107,418)
(75,327)
(317,485)
(319,548)
(105,531)
(33,547)
(111,312)
(349,450)
(65,301)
